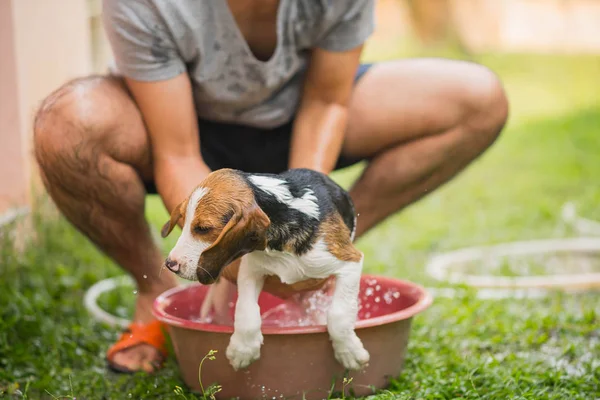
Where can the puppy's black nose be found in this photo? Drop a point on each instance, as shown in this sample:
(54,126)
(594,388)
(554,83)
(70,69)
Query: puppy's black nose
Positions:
(172,265)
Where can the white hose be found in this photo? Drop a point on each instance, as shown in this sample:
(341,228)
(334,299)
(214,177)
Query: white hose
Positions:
(497,287)
(93,293)
(440,267)
(489,294)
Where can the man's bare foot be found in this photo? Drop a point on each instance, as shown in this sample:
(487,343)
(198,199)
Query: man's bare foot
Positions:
(144,357)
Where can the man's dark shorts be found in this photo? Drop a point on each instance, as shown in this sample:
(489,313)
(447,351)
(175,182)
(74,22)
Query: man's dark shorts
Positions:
(251,149)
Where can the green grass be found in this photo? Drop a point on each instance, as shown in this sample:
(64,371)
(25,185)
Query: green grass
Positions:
(460,348)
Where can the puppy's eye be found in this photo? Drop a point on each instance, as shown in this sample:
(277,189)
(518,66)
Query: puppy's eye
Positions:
(202,229)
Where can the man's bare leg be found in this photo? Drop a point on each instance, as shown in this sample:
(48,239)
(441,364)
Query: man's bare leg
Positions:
(93,151)
(421,122)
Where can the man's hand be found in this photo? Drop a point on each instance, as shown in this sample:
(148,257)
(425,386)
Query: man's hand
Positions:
(168,110)
(321,121)
(274,285)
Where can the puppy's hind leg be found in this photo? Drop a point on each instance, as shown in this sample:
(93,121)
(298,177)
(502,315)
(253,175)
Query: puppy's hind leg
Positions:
(246,341)
(342,315)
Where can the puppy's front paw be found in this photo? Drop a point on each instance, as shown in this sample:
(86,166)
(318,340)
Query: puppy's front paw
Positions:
(243,350)
(351,353)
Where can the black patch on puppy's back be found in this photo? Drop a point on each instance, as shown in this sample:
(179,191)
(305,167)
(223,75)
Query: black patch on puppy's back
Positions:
(331,197)
(291,227)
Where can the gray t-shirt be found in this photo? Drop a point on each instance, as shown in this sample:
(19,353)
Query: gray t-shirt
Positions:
(159,39)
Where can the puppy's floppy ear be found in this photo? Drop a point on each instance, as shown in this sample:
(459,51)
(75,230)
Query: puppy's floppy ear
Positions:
(176,214)
(245,232)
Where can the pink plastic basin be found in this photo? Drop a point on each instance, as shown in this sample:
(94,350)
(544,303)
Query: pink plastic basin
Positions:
(296,361)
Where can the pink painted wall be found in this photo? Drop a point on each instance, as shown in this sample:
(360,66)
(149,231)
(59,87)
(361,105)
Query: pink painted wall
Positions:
(42,45)
(13,170)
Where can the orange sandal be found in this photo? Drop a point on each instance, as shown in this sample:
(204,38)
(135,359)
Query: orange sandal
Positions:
(135,334)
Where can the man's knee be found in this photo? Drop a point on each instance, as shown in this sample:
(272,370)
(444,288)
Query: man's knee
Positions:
(68,120)
(486,102)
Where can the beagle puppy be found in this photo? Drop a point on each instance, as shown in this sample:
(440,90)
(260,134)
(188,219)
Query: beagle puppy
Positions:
(297,225)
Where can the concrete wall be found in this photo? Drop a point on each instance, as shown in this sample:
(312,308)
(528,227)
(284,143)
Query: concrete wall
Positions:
(536,26)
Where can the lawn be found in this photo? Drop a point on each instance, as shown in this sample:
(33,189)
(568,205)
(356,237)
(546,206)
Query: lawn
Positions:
(460,348)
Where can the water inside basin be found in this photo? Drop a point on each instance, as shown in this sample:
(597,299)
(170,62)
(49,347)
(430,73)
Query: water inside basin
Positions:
(381,300)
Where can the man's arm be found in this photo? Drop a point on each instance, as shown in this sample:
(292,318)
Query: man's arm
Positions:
(157,78)
(321,120)
(168,110)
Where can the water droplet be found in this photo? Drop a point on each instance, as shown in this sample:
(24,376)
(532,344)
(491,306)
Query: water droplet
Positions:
(145,276)
(135,292)
(378,288)
(396,295)
(130,395)
(369,291)
(387,296)
(377,299)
